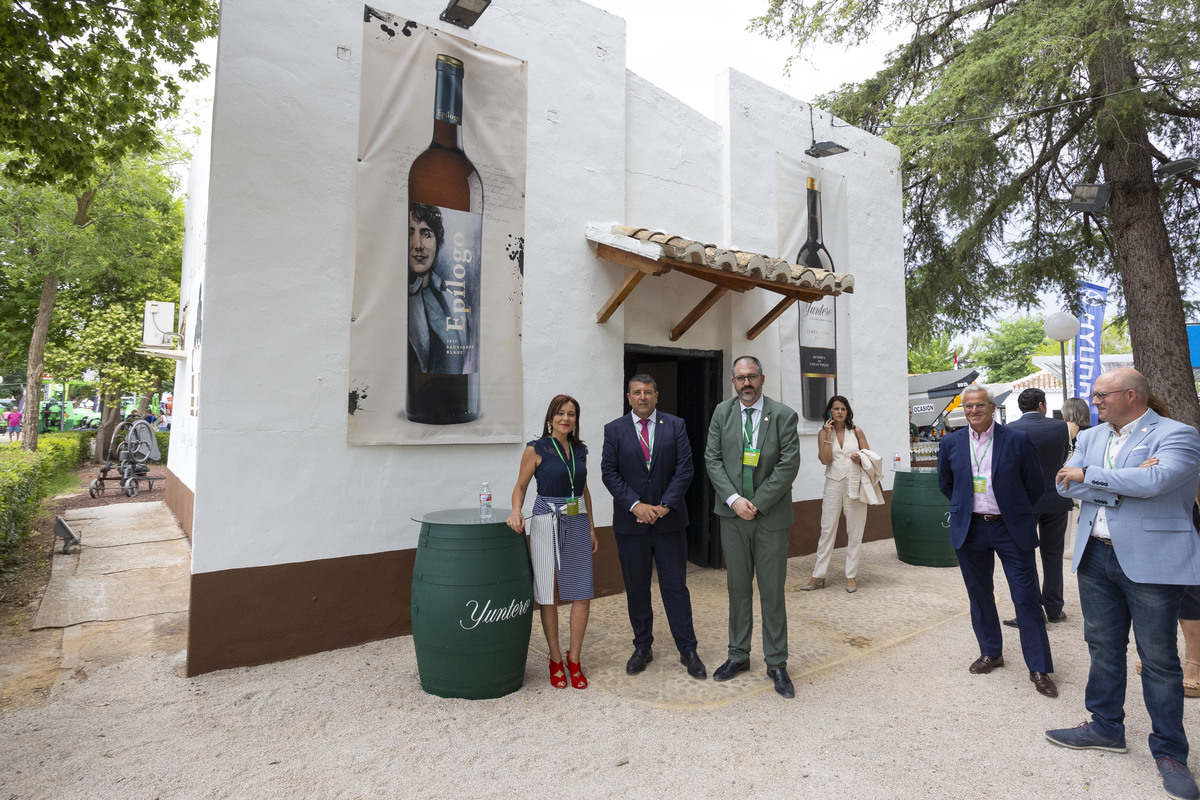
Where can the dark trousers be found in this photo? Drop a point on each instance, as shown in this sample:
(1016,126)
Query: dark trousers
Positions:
(639,554)
(1052,532)
(1111,604)
(977,558)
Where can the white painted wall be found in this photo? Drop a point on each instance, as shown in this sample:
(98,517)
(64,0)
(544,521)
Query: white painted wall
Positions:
(757,122)
(274,480)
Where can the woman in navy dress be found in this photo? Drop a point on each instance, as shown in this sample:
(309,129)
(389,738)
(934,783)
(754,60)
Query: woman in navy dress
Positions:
(562,538)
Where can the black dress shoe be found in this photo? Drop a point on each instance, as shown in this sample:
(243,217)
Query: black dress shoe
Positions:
(729,669)
(1012,623)
(985,664)
(1042,682)
(695,666)
(783,684)
(1060,617)
(638,661)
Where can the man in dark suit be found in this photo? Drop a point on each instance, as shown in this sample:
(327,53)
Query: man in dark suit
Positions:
(990,474)
(647,467)
(752,457)
(1052,440)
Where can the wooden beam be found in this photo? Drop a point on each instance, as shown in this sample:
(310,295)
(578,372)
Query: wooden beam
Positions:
(631,260)
(771,316)
(618,297)
(696,313)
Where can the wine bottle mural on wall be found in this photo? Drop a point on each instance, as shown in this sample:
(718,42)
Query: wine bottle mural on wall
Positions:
(818,320)
(434,358)
(445,232)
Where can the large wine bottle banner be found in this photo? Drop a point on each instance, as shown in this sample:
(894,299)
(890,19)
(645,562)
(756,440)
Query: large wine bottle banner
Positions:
(435,348)
(813,233)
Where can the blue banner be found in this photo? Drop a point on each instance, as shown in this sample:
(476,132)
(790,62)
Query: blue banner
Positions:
(1087,341)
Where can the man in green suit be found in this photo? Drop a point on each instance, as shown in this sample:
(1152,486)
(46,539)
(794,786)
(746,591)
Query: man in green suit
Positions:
(752,457)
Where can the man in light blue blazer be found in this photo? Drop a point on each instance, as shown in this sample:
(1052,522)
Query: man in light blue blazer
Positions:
(1135,550)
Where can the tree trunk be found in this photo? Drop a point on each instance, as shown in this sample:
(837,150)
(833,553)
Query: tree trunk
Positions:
(110,416)
(1149,279)
(36,364)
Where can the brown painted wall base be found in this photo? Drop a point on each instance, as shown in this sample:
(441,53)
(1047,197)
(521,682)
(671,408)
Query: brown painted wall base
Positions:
(242,617)
(182,502)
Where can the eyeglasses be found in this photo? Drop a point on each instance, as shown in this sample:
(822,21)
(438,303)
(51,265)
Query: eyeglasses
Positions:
(1101,395)
(739,379)
(976,407)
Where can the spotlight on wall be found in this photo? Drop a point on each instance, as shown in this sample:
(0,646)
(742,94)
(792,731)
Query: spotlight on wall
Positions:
(822,149)
(1090,197)
(1177,167)
(464,13)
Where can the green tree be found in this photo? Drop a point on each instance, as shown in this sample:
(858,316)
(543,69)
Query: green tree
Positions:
(1005,351)
(999,108)
(934,353)
(113,235)
(107,342)
(82,82)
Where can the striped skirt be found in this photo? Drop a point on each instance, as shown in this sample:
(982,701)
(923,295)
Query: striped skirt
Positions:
(561,547)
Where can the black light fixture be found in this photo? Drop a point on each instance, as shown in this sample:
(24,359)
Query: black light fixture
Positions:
(1090,197)
(1177,167)
(464,13)
(822,149)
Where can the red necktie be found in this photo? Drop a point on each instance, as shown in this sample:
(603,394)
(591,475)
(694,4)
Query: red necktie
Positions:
(644,439)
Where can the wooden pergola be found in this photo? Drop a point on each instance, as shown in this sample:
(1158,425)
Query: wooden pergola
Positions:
(646,252)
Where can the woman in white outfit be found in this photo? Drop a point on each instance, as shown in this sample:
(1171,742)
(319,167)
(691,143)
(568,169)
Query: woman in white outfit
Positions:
(839,453)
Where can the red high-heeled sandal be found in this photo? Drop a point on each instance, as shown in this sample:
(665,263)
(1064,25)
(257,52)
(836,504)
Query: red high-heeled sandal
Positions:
(558,675)
(578,679)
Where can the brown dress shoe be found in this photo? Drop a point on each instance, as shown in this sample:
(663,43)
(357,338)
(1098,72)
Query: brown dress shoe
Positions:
(985,664)
(1043,684)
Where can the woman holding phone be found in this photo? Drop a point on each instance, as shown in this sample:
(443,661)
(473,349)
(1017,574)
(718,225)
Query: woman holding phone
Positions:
(838,444)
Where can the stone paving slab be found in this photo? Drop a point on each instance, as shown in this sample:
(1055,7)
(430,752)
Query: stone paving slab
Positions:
(133,562)
(126,523)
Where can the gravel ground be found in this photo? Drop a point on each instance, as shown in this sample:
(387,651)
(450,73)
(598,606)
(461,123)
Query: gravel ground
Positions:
(903,721)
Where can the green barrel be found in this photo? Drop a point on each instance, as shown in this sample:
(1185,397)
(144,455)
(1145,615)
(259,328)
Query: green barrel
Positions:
(472,605)
(921,521)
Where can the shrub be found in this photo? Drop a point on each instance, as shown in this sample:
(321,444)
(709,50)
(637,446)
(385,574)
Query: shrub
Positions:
(23,478)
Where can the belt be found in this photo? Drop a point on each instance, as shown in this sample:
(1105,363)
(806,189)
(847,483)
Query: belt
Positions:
(986,517)
(1105,542)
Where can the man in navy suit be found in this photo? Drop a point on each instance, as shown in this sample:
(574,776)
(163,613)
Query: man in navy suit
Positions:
(1052,440)
(991,475)
(647,468)
(1135,551)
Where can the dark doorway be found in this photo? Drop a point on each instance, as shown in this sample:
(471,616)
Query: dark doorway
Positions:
(689,386)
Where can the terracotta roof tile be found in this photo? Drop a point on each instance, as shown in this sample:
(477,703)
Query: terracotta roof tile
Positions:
(754,265)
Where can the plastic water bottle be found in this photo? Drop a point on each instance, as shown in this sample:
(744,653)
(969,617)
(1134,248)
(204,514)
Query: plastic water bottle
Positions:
(896,461)
(485,503)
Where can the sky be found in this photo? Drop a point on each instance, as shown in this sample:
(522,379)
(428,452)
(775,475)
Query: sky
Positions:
(681,46)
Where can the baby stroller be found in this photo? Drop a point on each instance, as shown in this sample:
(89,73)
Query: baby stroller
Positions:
(133,444)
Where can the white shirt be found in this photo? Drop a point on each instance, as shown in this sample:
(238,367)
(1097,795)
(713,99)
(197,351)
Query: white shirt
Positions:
(1117,437)
(637,429)
(756,422)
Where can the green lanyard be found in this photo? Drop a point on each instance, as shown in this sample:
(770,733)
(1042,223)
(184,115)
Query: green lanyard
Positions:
(980,456)
(1108,458)
(570,467)
(649,442)
(752,434)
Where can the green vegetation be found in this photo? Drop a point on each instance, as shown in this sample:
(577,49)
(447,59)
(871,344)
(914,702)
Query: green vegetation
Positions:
(1001,107)
(82,83)
(24,479)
